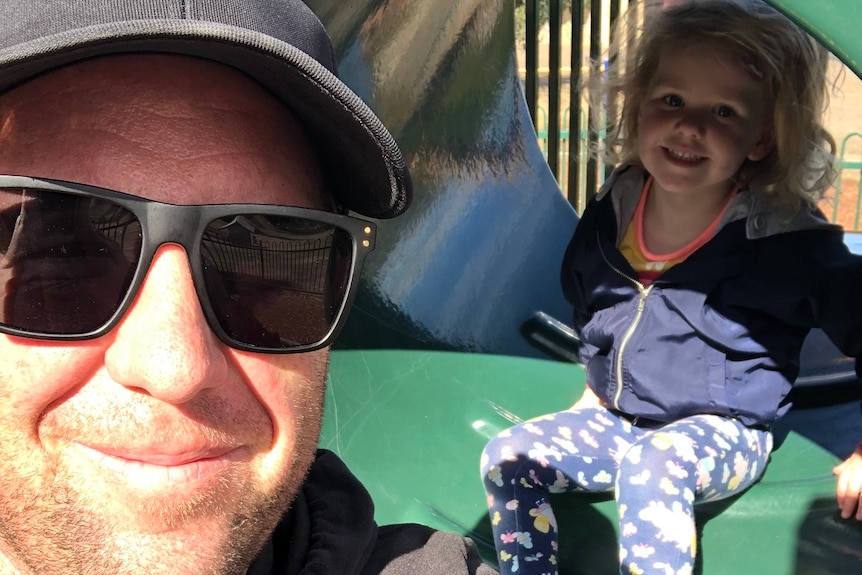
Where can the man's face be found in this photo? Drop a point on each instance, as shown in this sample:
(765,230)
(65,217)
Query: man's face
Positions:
(156,448)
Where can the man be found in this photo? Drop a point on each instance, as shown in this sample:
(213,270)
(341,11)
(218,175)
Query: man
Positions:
(162,361)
